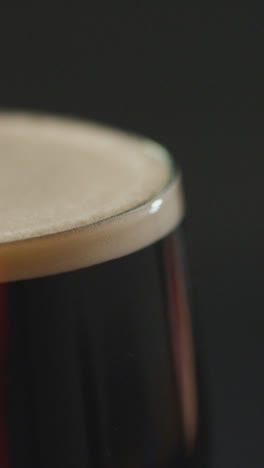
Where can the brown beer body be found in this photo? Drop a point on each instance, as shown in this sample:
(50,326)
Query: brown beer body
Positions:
(96,355)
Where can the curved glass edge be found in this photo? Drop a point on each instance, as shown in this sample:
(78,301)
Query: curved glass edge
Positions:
(160,152)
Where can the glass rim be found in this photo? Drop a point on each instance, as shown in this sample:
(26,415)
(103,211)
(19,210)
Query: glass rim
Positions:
(160,152)
(102,240)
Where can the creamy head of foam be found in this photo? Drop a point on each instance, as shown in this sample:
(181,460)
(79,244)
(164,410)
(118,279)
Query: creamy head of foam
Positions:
(73,194)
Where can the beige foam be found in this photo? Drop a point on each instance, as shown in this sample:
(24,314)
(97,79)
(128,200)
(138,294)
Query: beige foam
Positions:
(73,194)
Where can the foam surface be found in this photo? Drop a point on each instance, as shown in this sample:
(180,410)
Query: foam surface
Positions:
(68,193)
(57,175)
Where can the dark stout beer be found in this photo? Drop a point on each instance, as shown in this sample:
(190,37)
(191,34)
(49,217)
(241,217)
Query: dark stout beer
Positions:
(96,365)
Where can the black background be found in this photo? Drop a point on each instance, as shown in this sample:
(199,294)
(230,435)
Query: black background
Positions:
(192,79)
